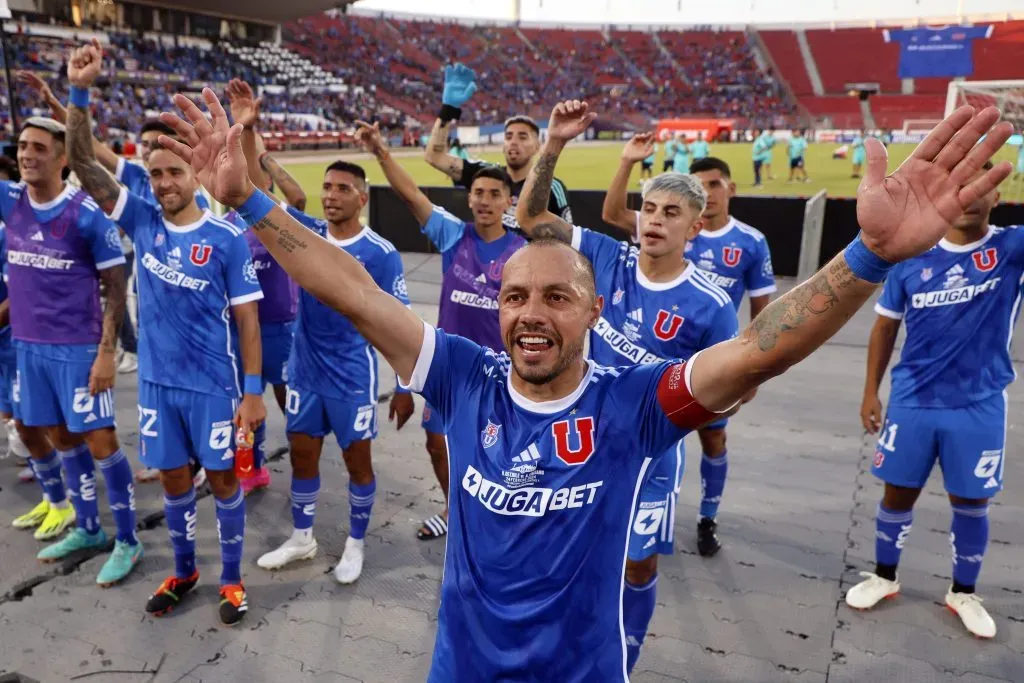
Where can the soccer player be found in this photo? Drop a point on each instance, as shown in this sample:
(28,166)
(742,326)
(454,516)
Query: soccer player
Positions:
(60,248)
(1019,173)
(332,378)
(700,148)
(548,449)
(647,164)
(758,155)
(681,161)
(522,140)
(279,304)
(767,147)
(660,306)
(733,256)
(197,305)
(960,302)
(8,358)
(858,153)
(797,147)
(472,260)
(670,153)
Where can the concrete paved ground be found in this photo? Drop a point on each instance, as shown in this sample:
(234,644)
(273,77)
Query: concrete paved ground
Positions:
(797,523)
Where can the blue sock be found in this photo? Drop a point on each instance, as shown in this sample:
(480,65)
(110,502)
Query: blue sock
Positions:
(231,529)
(968,534)
(637,610)
(259,446)
(360,503)
(81,471)
(121,495)
(712,483)
(181,526)
(304,494)
(50,477)
(891,531)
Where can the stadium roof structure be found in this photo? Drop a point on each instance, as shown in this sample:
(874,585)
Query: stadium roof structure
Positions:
(273,11)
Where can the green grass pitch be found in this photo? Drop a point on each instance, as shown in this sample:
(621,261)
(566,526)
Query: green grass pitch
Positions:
(591,167)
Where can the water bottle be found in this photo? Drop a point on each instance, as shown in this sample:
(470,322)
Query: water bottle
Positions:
(244,440)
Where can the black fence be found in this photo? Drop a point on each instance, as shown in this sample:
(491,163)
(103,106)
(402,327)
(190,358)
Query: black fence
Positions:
(781,219)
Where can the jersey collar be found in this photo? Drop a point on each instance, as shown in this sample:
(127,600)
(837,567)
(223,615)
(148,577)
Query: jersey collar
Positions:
(171,227)
(721,231)
(964,248)
(349,241)
(66,193)
(551,407)
(664,286)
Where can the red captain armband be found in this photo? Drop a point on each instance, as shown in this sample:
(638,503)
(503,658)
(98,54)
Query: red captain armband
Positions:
(680,407)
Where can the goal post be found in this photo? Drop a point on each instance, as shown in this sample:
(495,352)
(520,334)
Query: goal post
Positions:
(1008,96)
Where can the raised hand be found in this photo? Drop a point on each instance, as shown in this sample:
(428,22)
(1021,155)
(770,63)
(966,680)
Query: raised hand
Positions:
(85,63)
(569,119)
(370,138)
(639,147)
(32,81)
(245,106)
(459,85)
(908,212)
(212,148)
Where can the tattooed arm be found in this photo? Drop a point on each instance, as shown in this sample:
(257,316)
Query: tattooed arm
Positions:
(283,180)
(437,152)
(785,333)
(95,179)
(532,212)
(115,288)
(340,281)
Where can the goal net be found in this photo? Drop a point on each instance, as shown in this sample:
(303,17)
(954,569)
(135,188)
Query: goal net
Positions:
(1008,96)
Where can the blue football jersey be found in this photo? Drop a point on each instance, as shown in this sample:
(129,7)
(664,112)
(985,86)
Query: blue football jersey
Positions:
(188,278)
(960,304)
(644,321)
(6,348)
(135,177)
(736,258)
(540,508)
(329,357)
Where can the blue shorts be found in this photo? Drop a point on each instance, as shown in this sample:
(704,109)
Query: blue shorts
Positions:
(277,346)
(8,372)
(315,415)
(796,163)
(968,442)
(653,529)
(432,422)
(178,425)
(52,388)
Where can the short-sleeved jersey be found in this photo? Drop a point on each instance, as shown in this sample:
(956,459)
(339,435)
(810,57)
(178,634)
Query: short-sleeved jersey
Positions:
(6,348)
(329,357)
(540,510)
(797,147)
(558,202)
(55,252)
(736,258)
(960,304)
(188,277)
(700,149)
(644,321)
(681,160)
(280,300)
(136,178)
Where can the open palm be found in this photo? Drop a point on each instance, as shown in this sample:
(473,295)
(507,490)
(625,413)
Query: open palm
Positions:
(213,148)
(245,106)
(908,212)
(639,147)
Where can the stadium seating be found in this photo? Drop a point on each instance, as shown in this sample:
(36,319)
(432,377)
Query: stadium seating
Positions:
(860,55)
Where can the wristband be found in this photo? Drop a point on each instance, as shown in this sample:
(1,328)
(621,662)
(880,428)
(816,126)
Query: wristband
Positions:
(866,264)
(253,385)
(79,97)
(255,208)
(449,113)
(399,389)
